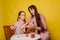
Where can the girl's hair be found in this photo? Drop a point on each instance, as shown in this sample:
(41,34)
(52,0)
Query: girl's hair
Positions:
(37,16)
(19,15)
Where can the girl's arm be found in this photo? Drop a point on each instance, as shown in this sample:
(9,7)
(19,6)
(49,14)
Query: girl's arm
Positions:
(30,25)
(13,27)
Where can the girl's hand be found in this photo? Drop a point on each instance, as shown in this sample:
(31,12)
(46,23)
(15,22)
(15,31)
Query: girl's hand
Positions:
(28,25)
(12,27)
(24,30)
(25,25)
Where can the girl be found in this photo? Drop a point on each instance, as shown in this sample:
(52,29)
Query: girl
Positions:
(38,21)
(20,24)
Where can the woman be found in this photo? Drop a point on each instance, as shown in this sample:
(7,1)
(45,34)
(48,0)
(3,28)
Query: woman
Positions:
(20,24)
(38,21)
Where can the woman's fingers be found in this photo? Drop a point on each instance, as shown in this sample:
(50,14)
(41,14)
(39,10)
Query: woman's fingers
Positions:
(38,28)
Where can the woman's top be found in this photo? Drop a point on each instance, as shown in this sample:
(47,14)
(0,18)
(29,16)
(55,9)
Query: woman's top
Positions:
(33,21)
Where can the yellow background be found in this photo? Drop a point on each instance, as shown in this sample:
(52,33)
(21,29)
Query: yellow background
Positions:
(49,8)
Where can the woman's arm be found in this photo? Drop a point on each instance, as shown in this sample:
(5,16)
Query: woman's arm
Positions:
(43,21)
(31,25)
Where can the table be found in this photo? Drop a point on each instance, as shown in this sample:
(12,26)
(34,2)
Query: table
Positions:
(23,37)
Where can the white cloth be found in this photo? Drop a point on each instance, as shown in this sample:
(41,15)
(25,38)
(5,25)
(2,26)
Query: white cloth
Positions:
(23,37)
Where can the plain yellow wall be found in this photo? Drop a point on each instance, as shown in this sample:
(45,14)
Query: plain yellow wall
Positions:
(2,37)
(49,8)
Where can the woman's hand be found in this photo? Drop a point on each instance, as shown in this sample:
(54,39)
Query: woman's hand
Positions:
(38,28)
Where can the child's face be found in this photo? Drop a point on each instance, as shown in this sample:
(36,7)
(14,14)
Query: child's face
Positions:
(22,16)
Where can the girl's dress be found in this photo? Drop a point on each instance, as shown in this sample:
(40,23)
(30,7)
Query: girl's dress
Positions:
(19,27)
(18,30)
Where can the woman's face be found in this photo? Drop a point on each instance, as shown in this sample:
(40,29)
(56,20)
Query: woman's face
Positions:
(32,11)
(22,16)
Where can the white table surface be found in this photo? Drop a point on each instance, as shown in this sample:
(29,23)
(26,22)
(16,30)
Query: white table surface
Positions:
(23,37)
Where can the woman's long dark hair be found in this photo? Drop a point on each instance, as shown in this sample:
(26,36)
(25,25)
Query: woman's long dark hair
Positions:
(37,15)
(19,15)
